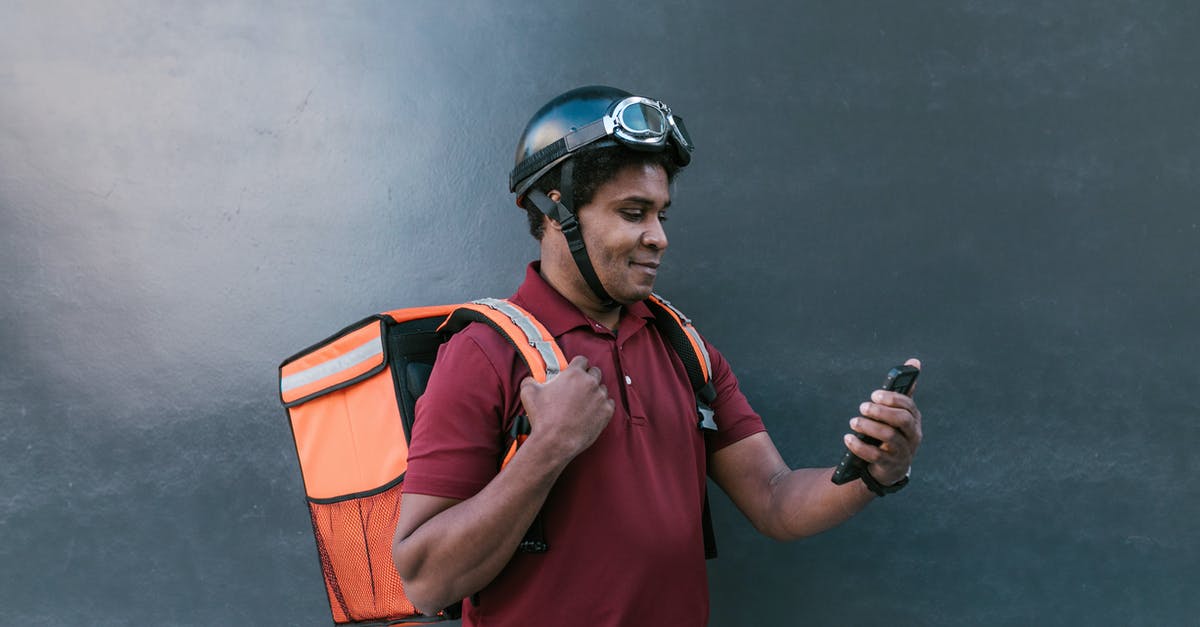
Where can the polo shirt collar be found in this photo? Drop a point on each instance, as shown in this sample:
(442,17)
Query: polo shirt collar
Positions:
(560,315)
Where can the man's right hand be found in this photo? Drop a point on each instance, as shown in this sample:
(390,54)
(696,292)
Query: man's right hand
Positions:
(568,412)
(446,549)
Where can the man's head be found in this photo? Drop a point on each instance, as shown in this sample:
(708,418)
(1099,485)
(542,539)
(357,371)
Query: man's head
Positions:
(580,144)
(622,227)
(593,169)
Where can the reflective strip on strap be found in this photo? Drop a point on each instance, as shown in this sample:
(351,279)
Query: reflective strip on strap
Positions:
(366,351)
(544,348)
(690,330)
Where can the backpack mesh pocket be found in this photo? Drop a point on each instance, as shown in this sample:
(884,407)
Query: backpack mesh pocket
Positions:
(354,538)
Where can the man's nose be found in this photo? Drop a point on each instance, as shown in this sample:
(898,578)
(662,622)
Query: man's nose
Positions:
(655,236)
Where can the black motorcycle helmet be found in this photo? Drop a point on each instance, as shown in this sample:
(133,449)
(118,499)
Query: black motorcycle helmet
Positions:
(588,118)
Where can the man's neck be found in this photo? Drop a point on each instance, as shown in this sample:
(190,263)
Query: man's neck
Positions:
(610,318)
(579,294)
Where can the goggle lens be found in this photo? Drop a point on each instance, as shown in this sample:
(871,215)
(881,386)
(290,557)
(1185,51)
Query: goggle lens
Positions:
(643,120)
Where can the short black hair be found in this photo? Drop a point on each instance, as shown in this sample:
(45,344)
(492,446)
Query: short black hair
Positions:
(594,168)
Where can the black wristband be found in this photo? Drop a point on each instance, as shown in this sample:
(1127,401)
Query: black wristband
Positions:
(880,489)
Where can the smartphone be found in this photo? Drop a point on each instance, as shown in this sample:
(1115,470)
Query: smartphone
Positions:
(899,379)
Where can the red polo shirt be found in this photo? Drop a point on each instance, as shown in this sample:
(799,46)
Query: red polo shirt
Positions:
(624,519)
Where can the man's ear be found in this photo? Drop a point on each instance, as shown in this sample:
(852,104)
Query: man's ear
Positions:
(554,196)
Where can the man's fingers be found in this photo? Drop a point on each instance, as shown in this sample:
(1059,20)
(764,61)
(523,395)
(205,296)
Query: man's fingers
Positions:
(864,451)
(888,420)
(581,363)
(526,382)
(893,399)
(900,417)
(875,429)
(890,450)
(895,409)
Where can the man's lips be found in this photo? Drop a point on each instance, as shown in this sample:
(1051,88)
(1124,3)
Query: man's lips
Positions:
(649,268)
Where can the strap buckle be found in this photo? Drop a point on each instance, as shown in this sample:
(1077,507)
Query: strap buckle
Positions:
(707,421)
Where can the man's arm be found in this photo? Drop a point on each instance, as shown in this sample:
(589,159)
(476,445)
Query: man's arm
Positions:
(786,504)
(445,549)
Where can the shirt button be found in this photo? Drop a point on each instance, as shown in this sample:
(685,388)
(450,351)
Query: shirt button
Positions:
(628,381)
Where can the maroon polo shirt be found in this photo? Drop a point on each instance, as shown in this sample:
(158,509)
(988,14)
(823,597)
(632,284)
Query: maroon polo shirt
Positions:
(624,519)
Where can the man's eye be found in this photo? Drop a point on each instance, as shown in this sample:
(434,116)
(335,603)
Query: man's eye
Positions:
(662,216)
(633,215)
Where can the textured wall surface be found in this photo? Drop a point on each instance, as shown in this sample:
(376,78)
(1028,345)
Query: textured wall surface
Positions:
(191,192)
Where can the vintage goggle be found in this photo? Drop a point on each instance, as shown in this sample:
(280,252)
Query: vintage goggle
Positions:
(641,123)
(637,122)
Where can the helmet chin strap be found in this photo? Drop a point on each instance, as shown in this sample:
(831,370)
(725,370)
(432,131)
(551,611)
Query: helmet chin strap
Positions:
(561,212)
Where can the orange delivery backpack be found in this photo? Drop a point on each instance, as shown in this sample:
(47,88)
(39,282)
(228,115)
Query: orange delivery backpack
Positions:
(350,400)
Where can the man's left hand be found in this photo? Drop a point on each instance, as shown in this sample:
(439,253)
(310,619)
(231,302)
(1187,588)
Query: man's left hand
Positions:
(894,420)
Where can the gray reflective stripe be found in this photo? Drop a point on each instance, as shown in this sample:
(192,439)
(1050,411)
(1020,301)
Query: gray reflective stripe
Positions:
(690,330)
(700,343)
(666,303)
(368,350)
(532,335)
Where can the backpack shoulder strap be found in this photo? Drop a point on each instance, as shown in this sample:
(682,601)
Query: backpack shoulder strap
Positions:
(533,342)
(687,342)
(540,352)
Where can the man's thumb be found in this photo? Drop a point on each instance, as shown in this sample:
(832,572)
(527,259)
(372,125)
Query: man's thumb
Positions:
(528,384)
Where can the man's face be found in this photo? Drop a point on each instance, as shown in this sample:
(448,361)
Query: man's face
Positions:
(623,230)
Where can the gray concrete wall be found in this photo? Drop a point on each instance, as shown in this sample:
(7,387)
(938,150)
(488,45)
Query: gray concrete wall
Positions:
(190,192)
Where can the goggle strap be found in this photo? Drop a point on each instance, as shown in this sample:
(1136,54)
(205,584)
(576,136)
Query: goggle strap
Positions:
(537,161)
(586,135)
(564,146)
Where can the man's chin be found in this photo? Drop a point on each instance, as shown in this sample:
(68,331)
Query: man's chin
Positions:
(635,295)
(631,292)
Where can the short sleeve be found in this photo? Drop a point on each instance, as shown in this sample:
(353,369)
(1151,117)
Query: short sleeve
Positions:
(735,418)
(457,434)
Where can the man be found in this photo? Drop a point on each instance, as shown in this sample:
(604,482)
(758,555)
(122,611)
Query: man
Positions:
(615,462)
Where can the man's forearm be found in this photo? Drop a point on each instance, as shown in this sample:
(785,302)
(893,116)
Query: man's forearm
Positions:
(782,503)
(460,550)
(805,502)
